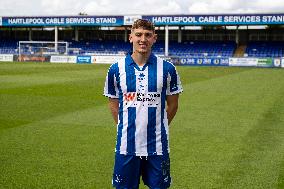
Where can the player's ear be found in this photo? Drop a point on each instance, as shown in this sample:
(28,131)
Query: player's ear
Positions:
(130,38)
(155,37)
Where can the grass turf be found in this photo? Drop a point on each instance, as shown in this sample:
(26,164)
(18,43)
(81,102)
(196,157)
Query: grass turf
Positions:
(56,130)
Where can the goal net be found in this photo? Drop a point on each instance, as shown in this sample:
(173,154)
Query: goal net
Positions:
(40,50)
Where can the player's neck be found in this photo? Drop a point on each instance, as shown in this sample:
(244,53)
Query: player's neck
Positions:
(140,58)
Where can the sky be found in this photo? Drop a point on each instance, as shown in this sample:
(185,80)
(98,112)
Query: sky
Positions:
(137,7)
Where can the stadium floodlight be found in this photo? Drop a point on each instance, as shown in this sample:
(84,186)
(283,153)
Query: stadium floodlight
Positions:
(40,50)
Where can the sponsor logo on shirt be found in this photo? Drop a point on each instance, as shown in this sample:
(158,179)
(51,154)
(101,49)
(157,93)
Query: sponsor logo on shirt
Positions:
(149,98)
(129,96)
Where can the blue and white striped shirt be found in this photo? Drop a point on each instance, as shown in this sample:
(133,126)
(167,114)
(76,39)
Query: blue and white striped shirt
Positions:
(142,127)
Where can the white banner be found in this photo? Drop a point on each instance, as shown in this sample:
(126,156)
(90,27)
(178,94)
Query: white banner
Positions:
(63,59)
(6,58)
(277,62)
(107,59)
(243,61)
(129,20)
(282,62)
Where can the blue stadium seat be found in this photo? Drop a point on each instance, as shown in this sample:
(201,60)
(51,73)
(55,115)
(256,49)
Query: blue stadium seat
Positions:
(265,49)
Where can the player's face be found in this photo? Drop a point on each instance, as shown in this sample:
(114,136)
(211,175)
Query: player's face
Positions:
(142,40)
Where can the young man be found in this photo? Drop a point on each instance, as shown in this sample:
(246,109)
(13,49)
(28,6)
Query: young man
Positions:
(143,99)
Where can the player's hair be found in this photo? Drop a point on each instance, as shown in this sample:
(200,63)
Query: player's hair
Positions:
(142,23)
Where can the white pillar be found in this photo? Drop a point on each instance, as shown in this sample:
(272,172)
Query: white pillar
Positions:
(166,40)
(76,34)
(237,36)
(179,34)
(56,38)
(30,34)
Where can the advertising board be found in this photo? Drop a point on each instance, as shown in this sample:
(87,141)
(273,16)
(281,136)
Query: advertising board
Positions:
(63,59)
(6,58)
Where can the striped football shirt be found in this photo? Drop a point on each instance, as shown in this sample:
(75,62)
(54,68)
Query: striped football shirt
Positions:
(142,128)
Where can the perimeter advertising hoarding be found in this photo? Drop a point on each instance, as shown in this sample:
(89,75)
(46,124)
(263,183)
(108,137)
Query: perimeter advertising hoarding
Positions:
(256,62)
(64,21)
(242,61)
(98,59)
(107,59)
(85,59)
(6,58)
(282,62)
(32,58)
(265,62)
(277,62)
(63,59)
(201,61)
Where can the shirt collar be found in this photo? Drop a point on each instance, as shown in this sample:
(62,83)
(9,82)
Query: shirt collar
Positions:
(130,61)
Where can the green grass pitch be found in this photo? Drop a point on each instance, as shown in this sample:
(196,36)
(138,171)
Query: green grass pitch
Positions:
(56,130)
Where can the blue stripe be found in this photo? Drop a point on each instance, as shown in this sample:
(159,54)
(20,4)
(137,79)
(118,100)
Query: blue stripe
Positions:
(152,77)
(113,70)
(164,139)
(120,114)
(131,130)
(130,78)
(131,87)
(151,130)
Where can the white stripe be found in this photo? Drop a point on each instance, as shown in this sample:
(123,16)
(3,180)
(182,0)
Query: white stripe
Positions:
(106,92)
(106,86)
(169,78)
(179,86)
(123,146)
(115,86)
(141,132)
(180,89)
(142,122)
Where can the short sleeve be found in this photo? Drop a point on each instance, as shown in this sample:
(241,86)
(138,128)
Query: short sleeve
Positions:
(173,81)
(110,89)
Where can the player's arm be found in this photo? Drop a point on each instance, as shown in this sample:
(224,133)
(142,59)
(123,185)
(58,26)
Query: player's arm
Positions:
(114,106)
(172,106)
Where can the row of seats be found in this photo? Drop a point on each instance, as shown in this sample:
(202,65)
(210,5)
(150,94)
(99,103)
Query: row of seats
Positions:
(8,46)
(265,49)
(184,49)
(187,48)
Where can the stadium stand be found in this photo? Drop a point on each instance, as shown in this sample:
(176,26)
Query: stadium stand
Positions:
(198,49)
(185,49)
(8,46)
(99,47)
(113,43)
(265,49)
